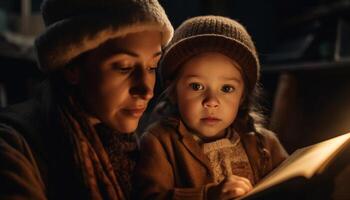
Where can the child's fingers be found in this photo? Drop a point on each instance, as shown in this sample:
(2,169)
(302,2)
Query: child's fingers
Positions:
(235,186)
(236,183)
(232,187)
(233,193)
(240,180)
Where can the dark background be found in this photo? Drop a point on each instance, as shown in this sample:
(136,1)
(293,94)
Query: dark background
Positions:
(303,46)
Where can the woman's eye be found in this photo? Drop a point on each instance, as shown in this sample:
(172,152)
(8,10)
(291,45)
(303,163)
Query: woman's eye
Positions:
(228,88)
(196,86)
(152,69)
(122,69)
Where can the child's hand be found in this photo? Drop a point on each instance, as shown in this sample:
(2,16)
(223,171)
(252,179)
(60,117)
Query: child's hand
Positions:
(231,187)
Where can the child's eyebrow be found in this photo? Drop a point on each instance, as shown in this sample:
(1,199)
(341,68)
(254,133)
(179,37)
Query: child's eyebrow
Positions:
(192,76)
(232,79)
(223,78)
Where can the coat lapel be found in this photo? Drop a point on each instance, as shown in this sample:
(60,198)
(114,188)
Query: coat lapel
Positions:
(193,147)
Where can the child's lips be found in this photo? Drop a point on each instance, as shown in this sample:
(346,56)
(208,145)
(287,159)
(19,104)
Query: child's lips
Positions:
(210,120)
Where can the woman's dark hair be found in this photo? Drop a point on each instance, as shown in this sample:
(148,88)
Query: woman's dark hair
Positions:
(56,93)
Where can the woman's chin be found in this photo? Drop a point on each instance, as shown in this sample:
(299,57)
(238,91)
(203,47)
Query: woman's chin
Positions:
(121,124)
(127,128)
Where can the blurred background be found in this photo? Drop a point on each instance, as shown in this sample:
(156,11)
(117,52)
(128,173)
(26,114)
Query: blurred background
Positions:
(303,45)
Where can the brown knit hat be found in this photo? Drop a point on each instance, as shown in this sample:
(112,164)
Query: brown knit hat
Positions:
(211,33)
(76,26)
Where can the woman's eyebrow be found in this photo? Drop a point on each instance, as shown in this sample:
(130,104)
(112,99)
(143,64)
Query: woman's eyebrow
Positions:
(131,53)
(123,51)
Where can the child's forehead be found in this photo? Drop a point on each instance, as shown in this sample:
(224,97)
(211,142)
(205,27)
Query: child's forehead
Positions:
(213,56)
(211,62)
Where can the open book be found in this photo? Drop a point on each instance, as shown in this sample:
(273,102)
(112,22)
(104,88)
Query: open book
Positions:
(301,167)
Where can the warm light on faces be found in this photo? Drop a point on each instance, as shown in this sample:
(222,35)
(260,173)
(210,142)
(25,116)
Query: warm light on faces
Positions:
(209,91)
(118,79)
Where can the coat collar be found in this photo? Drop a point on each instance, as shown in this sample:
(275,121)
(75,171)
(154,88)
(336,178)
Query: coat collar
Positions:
(193,146)
(249,141)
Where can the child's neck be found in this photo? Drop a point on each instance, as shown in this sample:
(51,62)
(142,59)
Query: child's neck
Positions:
(222,134)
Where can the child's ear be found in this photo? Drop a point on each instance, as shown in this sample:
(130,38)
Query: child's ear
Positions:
(172,94)
(172,98)
(243,97)
(72,74)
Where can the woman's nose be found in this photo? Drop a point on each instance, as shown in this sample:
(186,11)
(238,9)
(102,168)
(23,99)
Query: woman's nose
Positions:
(143,84)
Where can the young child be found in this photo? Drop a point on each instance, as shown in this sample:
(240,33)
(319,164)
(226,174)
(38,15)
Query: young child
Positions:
(212,145)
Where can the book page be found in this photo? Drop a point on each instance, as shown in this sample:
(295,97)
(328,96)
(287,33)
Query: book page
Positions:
(303,162)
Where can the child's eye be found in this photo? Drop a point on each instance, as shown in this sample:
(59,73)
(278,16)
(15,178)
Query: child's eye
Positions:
(196,86)
(227,88)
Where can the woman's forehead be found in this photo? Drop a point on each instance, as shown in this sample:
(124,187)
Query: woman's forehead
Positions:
(132,45)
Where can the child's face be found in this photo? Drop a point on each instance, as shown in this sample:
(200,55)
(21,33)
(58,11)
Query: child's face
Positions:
(209,91)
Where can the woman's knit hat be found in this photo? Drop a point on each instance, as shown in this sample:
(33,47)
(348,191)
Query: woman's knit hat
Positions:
(76,26)
(211,33)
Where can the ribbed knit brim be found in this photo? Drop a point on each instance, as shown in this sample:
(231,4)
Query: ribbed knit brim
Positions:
(211,34)
(77,26)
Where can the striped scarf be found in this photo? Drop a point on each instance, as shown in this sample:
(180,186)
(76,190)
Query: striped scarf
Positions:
(89,155)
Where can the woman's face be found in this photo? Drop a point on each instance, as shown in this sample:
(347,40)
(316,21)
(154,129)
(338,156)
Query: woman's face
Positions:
(209,92)
(118,78)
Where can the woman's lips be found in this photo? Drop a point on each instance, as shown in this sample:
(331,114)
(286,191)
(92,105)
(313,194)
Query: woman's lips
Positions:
(134,112)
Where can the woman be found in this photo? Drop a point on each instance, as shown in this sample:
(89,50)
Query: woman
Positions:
(75,139)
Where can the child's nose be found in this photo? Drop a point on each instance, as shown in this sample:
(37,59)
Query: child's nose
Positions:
(211,101)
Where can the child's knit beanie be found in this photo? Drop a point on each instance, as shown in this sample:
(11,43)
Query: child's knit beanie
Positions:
(211,33)
(76,26)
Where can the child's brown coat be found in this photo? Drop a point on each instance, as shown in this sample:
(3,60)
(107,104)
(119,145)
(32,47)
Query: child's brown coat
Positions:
(173,166)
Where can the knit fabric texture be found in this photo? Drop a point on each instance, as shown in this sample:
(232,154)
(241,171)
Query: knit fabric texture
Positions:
(76,26)
(227,157)
(123,153)
(211,34)
(98,179)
